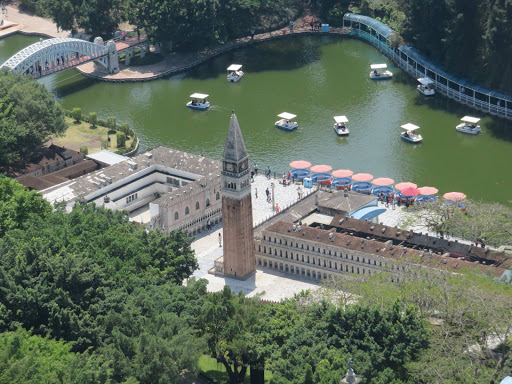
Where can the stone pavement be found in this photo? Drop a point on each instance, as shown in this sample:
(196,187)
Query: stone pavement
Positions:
(272,285)
(30,24)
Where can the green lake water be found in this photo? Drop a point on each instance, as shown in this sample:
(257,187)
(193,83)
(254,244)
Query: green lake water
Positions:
(315,77)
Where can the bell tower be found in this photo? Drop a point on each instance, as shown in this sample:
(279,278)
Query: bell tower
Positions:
(239,260)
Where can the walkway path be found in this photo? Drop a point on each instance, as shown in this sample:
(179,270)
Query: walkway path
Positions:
(26,23)
(178,62)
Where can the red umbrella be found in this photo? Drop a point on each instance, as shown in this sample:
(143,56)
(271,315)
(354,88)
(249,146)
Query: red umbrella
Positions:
(401,186)
(428,190)
(321,168)
(362,177)
(300,164)
(383,181)
(454,196)
(342,173)
(410,192)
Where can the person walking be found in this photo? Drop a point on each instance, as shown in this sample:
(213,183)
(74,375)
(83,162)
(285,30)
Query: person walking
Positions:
(256,169)
(268,172)
(252,34)
(291,25)
(220,240)
(267,192)
(208,225)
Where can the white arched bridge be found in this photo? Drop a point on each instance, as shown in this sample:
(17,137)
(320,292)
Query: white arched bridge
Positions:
(54,55)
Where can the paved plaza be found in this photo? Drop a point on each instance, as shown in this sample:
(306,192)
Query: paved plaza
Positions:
(272,285)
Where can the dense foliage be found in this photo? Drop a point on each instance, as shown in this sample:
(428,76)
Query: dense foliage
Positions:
(28,116)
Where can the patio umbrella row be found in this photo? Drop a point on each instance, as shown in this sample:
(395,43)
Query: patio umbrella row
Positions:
(406,188)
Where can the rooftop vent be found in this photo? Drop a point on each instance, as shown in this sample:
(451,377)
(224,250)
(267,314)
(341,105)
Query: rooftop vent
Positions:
(383,230)
(132,164)
(398,233)
(149,155)
(444,261)
(362,240)
(372,227)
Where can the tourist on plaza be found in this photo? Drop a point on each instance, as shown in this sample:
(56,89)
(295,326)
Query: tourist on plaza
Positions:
(392,202)
(252,34)
(256,169)
(277,208)
(299,191)
(252,176)
(268,172)
(267,192)
(220,240)
(208,225)
(291,25)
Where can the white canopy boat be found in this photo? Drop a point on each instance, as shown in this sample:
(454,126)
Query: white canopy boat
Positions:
(285,122)
(410,134)
(426,86)
(379,72)
(235,73)
(340,125)
(199,102)
(469,125)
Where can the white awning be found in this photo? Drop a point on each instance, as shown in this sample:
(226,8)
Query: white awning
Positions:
(410,127)
(199,96)
(341,119)
(425,81)
(469,119)
(234,67)
(378,66)
(287,116)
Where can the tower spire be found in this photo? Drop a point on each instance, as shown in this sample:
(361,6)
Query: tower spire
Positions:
(234,148)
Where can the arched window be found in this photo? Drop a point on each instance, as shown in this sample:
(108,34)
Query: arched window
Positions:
(176,215)
(207,202)
(217,196)
(187,211)
(197,205)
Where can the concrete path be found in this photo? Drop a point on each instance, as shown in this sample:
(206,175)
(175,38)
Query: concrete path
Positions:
(27,23)
(272,285)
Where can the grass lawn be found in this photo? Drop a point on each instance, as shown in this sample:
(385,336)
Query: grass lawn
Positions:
(217,372)
(79,134)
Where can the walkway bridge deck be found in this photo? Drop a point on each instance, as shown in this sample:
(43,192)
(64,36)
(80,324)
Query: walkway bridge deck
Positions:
(54,55)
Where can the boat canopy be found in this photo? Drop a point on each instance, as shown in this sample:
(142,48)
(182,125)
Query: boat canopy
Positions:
(469,119)
(410,127)
(378,66)
(341,119)
(425,81)
(287,116)
(199,96)
(234,67)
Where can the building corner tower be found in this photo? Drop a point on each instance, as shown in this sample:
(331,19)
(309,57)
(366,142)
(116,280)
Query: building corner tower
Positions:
(239,260)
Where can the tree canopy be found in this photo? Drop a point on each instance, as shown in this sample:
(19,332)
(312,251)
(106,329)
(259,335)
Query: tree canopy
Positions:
(28,116)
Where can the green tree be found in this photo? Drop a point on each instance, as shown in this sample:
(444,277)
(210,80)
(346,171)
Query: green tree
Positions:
(125,128)
(28,116)
(17,205)
(84,150)
(121,140)
(93,118)
(77,114)
(101,17)
(111,122)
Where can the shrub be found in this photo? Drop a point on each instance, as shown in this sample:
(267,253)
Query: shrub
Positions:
(93,118)
(77,114)
(84,150)
(111,122)
(121,140)
(125,128)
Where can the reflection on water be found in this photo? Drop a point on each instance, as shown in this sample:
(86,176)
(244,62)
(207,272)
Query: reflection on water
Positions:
(316,78)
